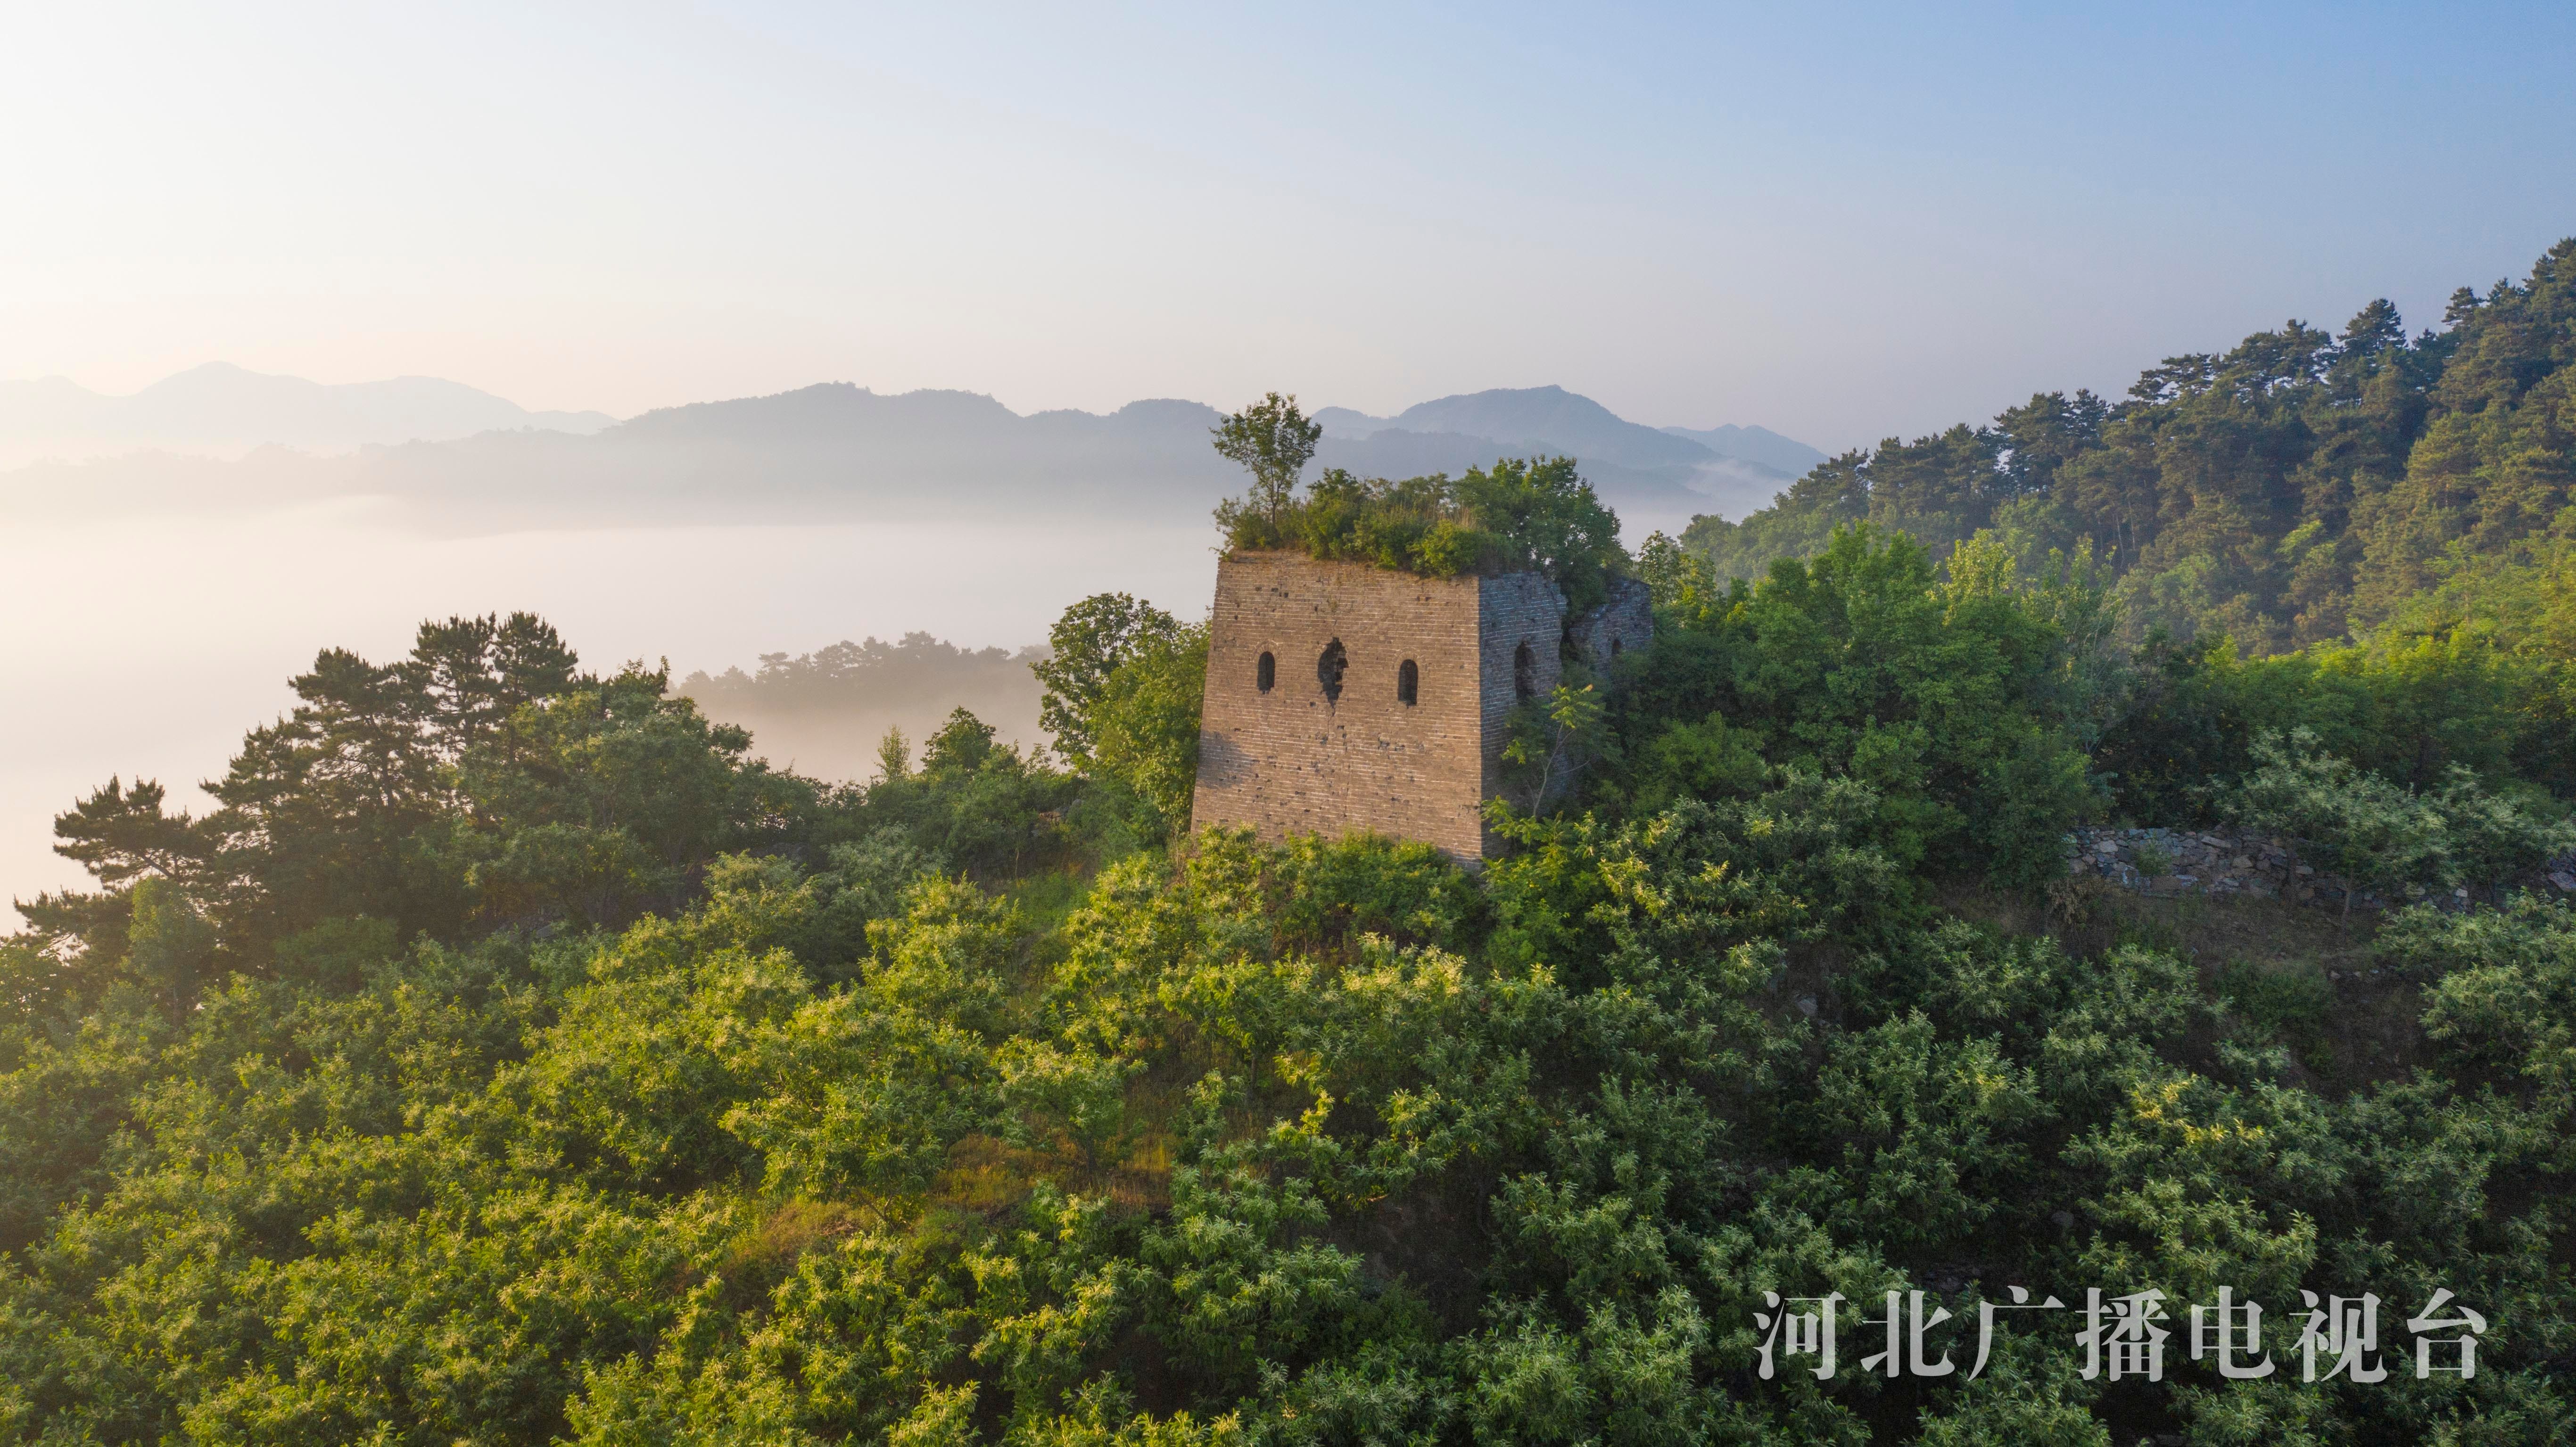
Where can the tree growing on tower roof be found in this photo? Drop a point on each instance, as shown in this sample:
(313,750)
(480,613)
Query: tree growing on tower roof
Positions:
(1273,441)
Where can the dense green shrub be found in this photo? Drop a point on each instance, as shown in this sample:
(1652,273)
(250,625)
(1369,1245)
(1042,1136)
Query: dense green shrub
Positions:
(1123,681)
(2408,710)
(1515,516)
(2381,836)
(1950,698)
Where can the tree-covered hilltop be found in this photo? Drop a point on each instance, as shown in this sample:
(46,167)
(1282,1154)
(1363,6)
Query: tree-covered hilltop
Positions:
(509,1059)
(2301,488)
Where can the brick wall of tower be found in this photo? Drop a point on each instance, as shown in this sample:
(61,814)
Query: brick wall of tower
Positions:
(1289,761)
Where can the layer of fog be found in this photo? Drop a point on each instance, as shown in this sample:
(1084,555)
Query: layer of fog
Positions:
(146,645)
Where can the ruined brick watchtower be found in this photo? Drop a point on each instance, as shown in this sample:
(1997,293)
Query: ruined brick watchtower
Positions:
(1342,696)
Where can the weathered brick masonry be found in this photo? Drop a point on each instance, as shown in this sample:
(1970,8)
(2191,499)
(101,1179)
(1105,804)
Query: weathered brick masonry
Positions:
(1298,757)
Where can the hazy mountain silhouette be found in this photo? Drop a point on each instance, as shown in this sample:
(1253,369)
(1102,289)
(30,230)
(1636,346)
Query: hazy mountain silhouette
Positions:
(829,451)
(1761,445)
(221,406)
(1343,422)
(1651,475)
(1564,420)
(940,428)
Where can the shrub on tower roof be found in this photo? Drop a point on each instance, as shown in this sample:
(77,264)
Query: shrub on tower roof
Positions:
(1519,515)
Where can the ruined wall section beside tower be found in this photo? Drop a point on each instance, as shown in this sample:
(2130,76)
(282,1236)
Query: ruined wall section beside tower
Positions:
(1523,611)
(1291,760)
(1516,612)
(1625,621)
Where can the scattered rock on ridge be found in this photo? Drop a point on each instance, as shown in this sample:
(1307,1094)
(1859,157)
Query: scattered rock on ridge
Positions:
(2230,863)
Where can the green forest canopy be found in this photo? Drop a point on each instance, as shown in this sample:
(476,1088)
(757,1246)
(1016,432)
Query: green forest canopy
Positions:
(510,1058)
(2300,488)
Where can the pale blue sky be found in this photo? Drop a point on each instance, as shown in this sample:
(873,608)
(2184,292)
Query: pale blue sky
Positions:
(1836,221)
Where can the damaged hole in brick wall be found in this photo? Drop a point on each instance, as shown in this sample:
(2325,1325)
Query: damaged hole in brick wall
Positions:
(1266,673)
(1329,670)
(1408,683)
(1524,672)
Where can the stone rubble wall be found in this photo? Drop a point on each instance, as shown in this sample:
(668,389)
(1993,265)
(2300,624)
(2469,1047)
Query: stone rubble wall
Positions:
(2232,863)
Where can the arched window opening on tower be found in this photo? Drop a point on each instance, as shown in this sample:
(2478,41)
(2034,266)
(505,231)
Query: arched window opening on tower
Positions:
(1408,683)
(1614,648)
(1524,672)
(1329,670)
(1266,673)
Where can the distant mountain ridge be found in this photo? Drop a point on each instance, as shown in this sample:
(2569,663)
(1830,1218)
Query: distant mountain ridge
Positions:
(1575,423)
(220,405)
(839,412)
(831,449)
(1756,445)
(1650,474)
(1557,417)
